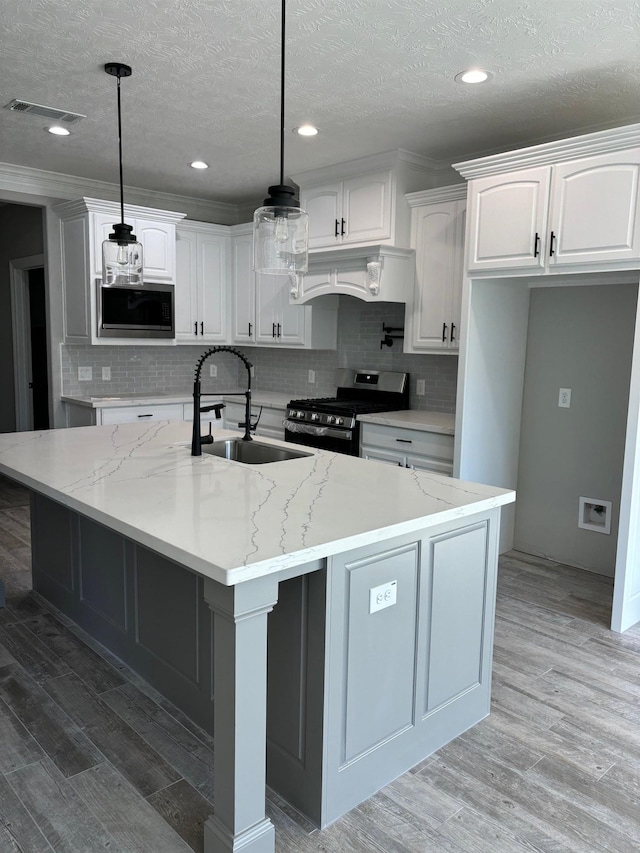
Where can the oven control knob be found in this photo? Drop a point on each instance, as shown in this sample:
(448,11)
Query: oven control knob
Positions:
(331,419)
(339,421)
(300,415)
(315,416)
(292,413)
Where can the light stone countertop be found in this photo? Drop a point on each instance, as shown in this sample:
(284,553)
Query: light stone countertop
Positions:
(225,520)
(268,399)
(414,419)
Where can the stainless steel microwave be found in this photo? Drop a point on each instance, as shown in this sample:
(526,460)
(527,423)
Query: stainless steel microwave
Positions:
(141,311)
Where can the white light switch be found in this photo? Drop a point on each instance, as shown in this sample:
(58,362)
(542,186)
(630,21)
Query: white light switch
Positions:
(382,596)
(85,374)
(564,398)
(213,370)
(106,374)
(420,387)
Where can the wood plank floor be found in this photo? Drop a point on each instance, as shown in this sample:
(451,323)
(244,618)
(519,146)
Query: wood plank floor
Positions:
(91,758)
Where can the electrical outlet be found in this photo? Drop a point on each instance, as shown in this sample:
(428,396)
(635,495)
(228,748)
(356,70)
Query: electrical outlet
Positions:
(213,370)
(312,376)
(420,387)
(85,374)
(564,398)
(383,596)
(106,374)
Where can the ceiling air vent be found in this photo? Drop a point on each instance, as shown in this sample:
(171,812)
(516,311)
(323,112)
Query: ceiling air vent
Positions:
(19,106)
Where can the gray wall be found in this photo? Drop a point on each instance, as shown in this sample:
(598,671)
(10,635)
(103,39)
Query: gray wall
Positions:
(21,235)
(359,334)
(581,338)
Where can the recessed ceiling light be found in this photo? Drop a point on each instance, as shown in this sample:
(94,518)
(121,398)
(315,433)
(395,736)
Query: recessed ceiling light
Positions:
(473,75)
(199,164)
(58,131)
(306,130)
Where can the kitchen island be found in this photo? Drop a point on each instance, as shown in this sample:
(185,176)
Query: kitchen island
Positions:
(377,653)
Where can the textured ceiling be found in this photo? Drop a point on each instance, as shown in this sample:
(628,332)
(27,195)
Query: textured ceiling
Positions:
(374,75)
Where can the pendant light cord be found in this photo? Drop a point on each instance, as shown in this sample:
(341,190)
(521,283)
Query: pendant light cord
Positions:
(281,96)
(120,153)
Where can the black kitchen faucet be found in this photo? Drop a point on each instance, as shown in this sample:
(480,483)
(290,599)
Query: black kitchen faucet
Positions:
(197,439)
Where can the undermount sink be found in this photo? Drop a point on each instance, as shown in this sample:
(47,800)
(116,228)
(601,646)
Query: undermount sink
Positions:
(251,452)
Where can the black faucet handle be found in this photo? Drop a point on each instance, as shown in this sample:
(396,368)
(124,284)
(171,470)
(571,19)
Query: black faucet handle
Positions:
(216,407)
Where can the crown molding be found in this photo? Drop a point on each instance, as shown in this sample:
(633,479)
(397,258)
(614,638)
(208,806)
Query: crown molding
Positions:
(455,192)
(372,163)
(548,153)
(39,182)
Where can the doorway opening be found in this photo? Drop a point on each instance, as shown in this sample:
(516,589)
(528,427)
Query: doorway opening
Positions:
(29,320)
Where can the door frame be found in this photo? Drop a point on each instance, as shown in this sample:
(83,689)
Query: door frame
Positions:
(21,334)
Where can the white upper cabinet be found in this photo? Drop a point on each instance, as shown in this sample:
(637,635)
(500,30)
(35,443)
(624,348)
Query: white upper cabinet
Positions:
(362,201)
(572,205)
(202,283)
(357,210)
(158,241)
(243,295)
(507,219)
(264,312)
(594,213)
(432,318)
(84,225)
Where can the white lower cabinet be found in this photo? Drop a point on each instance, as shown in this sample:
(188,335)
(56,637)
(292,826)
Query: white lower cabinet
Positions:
(407,448)
(203,273)
(131,414)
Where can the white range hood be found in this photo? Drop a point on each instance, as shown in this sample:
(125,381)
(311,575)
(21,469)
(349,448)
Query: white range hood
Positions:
(374,273)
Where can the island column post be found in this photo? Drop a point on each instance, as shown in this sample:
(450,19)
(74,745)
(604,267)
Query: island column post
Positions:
(240,614)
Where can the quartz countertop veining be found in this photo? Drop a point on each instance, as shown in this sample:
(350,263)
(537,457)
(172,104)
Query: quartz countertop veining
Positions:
(229,521)
(413,419)
(268,399)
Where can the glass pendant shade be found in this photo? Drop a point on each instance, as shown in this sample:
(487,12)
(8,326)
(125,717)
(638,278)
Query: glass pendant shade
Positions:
(121,258)
(280,240)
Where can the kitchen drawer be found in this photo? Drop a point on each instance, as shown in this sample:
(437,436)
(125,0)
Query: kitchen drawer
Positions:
(132,414)
(435,445)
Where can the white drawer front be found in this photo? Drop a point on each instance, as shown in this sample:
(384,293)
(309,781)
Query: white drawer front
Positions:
(410,441)
(132,414)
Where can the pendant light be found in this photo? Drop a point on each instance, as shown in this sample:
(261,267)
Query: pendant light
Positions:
(280,226)
(121,253)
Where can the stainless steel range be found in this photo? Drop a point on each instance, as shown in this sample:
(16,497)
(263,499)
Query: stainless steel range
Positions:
(331,423)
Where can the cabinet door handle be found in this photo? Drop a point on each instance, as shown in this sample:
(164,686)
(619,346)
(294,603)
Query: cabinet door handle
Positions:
(444,332)
(145,416)
(195,328)
(342,229)
(279,328)
(250,327)
(202,328)
(337,228)
(536,245)
(551,242)
(453,332)
(273,330)
(404,440)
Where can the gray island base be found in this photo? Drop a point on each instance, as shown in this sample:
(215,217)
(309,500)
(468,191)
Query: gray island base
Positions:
(351,666)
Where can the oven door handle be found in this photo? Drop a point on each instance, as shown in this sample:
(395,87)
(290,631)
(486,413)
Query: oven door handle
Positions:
(322,431)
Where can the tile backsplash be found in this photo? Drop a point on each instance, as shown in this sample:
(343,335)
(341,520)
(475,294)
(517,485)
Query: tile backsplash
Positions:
(170,369)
